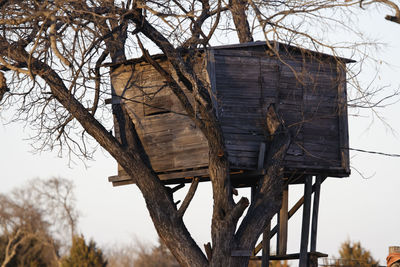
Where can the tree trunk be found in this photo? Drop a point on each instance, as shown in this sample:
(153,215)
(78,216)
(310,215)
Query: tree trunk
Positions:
(238,9)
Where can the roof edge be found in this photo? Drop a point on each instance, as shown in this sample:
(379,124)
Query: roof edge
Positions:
(279,45)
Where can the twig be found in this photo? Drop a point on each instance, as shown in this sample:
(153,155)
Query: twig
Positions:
(375,152)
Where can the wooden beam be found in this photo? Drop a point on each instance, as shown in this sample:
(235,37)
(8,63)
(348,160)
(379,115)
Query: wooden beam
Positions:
(343,119)
(314,223)
(260,166)
(278,234)
(293,256)
(265,246)
(252,193)
(283,223)
(212,78)
(305,227)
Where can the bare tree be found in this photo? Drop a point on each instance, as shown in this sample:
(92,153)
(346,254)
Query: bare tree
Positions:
(25,231)
(53,54)
(56,198)
(139,254)
(33,219)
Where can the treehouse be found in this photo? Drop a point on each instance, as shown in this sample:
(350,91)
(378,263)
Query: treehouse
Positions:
(307,88)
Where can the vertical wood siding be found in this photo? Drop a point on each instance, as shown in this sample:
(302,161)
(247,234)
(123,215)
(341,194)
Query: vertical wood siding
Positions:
(308,93)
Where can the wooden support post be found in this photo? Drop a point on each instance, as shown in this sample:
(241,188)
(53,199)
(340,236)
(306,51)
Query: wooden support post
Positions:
(252,193)
(265,246)
(314,223)
(260,166)
(292,211)
(283,223)
(278,234)
(305,227)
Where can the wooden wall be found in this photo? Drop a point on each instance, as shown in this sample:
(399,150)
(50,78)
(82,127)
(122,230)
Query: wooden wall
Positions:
(308,92)
(169,136)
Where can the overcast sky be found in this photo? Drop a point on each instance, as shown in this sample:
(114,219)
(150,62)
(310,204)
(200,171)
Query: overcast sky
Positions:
(355,208)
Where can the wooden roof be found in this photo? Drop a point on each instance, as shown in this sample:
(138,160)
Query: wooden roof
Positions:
(281,47)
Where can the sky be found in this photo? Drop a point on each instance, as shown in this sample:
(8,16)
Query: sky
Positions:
(359,208)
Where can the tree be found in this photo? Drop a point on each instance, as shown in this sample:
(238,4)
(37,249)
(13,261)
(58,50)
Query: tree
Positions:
(28,249)
(57,199)
(138,253)
(353,254)
(25,236)
(391,4)
(84,255)
(123,255)
(52,53)
(32,220)
(158,256)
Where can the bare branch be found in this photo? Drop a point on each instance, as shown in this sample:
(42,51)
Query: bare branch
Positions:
(53,42)
(98,81)
(188,198)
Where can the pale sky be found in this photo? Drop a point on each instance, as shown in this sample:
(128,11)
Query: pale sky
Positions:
(354,208)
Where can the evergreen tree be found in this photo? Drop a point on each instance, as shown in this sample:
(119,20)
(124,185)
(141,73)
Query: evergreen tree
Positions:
(353,254)
(84,255)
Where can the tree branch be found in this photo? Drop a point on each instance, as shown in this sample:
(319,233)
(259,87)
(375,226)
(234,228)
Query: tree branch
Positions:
(238,210)
(188,198)
(238,9)
(99,61)
(53,42)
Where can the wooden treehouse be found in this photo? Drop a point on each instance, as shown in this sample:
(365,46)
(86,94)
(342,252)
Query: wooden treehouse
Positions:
(308,90)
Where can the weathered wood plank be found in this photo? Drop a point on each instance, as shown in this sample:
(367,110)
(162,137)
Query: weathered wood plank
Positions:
(265,246)
(211,71)
(283,223)
(184,174)
(292,256)
(314,223)
(305,227)
(343,117)
(247,163)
